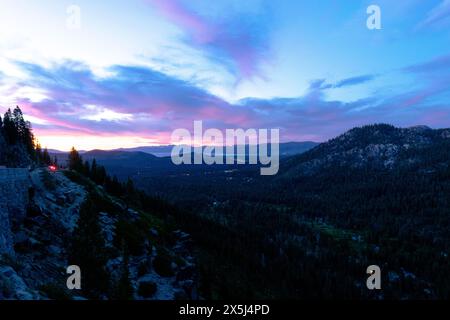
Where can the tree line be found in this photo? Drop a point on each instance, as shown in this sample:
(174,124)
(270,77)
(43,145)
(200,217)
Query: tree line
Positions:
(97,173)
(18,146)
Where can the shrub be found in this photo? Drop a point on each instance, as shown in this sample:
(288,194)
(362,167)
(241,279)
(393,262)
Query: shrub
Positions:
(54,292)
(162,265)
(48,181)
(143,269)
(147,289)
(6,288)
(131,235)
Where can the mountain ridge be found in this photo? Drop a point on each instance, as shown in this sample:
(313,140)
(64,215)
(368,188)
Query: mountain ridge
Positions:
(381,146)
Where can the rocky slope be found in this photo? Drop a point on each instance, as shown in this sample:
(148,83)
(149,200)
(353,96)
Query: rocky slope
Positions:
(39,212)
(382,147)
(43,210)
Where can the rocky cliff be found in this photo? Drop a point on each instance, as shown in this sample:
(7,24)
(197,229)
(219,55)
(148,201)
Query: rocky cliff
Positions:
(38,212)
(39,216)
(14,198)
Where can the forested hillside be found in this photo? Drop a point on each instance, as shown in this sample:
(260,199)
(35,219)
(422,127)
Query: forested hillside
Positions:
(374,195)
(123,241)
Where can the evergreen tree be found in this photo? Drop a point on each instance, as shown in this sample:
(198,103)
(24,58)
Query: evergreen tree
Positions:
(75,161)
(114,186)
(88,251)
(38,154)
(130,187)
(101,175)
(124,290)
(9,128)
(131,197)
(46,159)
(17,133)
(94,170)
(87,169)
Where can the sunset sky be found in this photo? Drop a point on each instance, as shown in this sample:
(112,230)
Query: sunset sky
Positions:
(133,71)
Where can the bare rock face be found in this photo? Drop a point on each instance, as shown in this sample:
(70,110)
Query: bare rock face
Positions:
(6,238)
(445,134)
(13,286)
(39,212)
(381,147)
(14,186)
(36,219)
(2,150)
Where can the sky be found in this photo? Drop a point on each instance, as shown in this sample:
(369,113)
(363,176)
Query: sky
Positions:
(109,74)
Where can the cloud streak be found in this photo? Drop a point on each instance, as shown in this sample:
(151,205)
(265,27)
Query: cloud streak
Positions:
(440,64)
(439,14)
(322,84)
(354,81)
(241,42)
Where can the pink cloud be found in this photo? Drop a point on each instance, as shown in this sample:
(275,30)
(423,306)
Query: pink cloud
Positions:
(238,40)
(175,11)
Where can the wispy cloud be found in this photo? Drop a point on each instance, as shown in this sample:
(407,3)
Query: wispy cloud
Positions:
(440,64)
(354,81)
(438,15)
(322,84)
(241,41)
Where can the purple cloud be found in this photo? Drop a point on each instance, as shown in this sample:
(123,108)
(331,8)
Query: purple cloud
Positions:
(241,42)
(354,81)
(322,84)
(147,103)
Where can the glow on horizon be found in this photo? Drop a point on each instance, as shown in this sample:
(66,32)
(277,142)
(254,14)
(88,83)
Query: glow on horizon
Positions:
(88,142)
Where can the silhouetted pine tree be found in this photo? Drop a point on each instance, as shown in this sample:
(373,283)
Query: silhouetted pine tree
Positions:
(46,159)
(38,154)
(87,169)
(124,289)
(93,175)
(88,251)
(17,139)
(75,161)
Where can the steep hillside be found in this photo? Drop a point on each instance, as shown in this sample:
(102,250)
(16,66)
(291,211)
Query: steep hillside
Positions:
(381,147)
(14,185)
(55,219)
(375,195)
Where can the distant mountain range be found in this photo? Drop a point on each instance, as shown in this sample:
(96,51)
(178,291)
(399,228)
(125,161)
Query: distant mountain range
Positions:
(147,155)
(380,147)
(286,149)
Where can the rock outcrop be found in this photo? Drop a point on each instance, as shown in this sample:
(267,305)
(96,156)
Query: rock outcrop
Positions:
(14,199)
(39,215)
(38,212)
(380,147)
